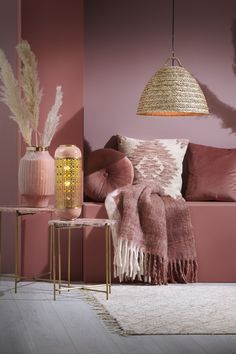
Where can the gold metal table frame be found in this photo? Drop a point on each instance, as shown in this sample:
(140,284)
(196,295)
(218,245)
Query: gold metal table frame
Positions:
(20,211)
(55,236)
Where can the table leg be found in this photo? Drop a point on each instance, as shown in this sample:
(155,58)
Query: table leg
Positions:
(0,242)
(109,258)
(107,261)
(69,255)
(17,250)
(59,258)
(50,252)
(54,261)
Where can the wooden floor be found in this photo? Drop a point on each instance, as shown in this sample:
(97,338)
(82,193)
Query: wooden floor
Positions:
(31,322)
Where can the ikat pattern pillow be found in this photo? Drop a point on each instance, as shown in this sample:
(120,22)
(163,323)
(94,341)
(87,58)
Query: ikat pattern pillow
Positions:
(158,160)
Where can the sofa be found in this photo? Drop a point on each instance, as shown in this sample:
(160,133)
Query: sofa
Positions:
(214,225)
(207,183)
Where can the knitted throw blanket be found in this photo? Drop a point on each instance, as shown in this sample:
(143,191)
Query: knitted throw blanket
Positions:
(153,237)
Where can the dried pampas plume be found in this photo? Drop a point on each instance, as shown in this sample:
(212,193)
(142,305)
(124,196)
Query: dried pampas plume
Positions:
(52,120)
(23,97)
(30,84)
(10,95)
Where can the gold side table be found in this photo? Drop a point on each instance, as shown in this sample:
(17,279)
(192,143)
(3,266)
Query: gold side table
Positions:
(55,227)
(20,211)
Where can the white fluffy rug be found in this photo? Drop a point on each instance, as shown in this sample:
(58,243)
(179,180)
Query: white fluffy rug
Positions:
(171,309)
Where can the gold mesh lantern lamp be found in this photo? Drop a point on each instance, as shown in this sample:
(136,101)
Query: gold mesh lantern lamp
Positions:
(172,90)
(68,192)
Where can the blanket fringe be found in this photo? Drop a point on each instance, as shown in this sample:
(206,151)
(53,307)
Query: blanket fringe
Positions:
(156,269)
(131,262)
(182,271)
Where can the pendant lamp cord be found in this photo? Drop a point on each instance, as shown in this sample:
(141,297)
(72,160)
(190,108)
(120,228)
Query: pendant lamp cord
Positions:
(173,32)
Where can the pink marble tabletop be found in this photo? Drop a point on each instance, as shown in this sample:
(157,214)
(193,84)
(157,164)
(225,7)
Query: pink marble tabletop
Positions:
(81,222)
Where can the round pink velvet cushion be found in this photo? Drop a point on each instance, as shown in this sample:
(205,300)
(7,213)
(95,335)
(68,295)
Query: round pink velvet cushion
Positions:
(106,170)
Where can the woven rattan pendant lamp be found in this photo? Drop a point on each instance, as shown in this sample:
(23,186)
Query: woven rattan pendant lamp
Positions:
(172,90)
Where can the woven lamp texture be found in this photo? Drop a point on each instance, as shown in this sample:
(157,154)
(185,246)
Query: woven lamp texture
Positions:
(172,91)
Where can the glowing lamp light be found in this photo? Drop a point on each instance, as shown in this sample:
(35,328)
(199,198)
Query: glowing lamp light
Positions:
(68,193)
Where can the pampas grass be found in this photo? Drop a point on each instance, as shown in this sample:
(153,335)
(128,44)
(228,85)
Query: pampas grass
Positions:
(52,119)
(30,84)
(10,95)
(23,97)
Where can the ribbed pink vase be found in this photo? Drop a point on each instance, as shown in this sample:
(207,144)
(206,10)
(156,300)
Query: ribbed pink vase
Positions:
(36,177)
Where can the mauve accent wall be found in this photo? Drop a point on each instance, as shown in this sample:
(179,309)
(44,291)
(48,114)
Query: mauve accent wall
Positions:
(54,30)
(9,30)
(126,42)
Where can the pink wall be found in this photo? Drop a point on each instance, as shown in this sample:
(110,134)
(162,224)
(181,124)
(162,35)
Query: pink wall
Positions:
(9,25)
(54,30)
(127,41)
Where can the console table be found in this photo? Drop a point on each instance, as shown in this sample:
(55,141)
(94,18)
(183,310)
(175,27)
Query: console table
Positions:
(55,227)
(20,211)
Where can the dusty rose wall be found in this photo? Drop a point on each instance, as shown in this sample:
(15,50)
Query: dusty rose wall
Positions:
(127,41)
(9,26)
(55,31)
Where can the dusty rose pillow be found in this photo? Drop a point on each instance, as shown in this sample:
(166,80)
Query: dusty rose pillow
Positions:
(106,170)
(211,173)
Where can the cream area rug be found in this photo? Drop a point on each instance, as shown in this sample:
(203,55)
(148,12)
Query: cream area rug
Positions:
(168,309)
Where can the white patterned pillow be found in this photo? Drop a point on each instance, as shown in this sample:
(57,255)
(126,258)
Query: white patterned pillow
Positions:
(158,160)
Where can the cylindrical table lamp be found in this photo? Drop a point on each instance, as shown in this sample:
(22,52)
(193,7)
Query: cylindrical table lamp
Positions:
(68,193)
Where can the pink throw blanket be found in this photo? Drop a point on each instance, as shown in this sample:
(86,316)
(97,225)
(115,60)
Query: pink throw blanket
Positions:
(153,238)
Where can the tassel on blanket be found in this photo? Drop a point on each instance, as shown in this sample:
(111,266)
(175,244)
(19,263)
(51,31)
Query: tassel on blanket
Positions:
(131,262)
(180,271)
(155,269)
(128,261)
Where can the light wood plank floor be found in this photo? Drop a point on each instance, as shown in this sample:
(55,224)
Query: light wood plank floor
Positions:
(31,322)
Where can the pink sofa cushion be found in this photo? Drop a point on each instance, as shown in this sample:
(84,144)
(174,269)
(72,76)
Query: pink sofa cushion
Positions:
(158,160)
(211,173)
(106,170)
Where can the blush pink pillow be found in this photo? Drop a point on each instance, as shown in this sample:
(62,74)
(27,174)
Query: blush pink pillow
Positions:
(106,170)
(211,173)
